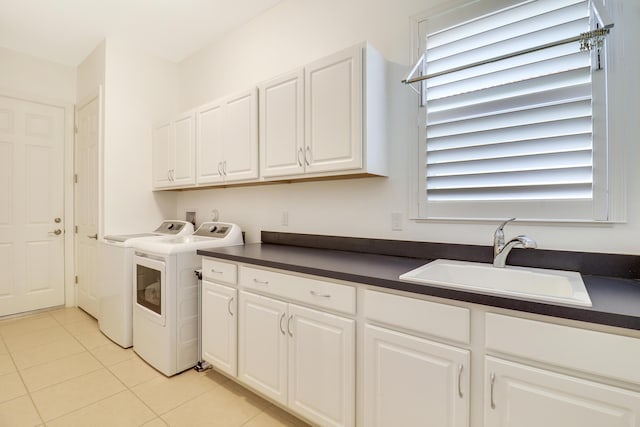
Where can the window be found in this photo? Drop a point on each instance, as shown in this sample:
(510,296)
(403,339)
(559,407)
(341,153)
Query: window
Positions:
(507,135)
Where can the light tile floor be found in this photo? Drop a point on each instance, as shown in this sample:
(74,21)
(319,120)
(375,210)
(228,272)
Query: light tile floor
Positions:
(58,369)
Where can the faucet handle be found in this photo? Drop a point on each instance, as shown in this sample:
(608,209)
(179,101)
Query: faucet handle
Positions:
(501,226)
(498,237)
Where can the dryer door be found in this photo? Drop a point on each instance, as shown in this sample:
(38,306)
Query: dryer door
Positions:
(149,286)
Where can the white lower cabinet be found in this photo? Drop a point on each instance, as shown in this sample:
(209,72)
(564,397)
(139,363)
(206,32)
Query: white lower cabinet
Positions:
(414,356)
(220,327)
(524,396)
(300,357)
(411,381)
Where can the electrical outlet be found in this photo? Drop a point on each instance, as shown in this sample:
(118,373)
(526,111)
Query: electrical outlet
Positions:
(285,218)
(396,221)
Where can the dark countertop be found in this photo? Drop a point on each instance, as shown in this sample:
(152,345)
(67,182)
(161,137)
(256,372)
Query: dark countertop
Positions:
(616,301)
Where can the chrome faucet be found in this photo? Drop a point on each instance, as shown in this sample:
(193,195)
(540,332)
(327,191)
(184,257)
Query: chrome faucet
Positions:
(501,250)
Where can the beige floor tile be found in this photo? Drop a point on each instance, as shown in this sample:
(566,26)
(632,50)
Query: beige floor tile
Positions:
(156,422)
(82,326)
(92,339)
(57,371)
(6,364)
(134,371)
(275,417)
(121,410)
(63,398)
(23,325)
(164,394)
(110,353)
(19,412)
(228,405)
(11,386)
(69,315)
(47,352)
(32,339)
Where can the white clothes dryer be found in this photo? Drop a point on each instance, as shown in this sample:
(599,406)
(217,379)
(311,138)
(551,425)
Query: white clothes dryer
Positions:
(115,261)
(165,306)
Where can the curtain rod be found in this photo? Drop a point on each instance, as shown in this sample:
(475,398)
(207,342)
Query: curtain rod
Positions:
(587,40)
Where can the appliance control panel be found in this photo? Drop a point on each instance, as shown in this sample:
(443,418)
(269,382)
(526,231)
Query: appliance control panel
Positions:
(171,227)
(214,229)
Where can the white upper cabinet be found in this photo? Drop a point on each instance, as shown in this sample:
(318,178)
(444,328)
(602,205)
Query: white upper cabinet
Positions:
(210,143)
(282,125)
(228,139)
(328,119)
(173,152)
(333,111)
(161,162)
(241,137)
(325,119)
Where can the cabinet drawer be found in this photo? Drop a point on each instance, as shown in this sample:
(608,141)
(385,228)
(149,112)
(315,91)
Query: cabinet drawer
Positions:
(416,315)
(218,271)
(599,353)
(314,292)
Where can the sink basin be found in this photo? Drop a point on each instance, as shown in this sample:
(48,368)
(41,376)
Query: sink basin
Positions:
(560,287)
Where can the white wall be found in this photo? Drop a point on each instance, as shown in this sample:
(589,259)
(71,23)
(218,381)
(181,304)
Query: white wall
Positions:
(90,74)
(27,76)
(295,32)
(139,90)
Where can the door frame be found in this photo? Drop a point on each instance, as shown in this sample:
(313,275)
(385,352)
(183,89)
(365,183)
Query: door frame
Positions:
(68,170)
(98,93)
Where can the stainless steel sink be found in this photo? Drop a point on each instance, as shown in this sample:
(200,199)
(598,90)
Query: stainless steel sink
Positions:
(560,287)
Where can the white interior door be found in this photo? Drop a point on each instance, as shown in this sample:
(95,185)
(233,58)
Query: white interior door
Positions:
(86,198)
(31,206)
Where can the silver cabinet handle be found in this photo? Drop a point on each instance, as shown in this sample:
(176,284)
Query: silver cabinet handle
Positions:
(214,271)
(261,282)
(299,156)
(316,294)
(56,232)
(281,327)
(289,325)
(219,168)
(224,167)
(93,236)
(460,367)
(493,383)
(307,156)
(229,306)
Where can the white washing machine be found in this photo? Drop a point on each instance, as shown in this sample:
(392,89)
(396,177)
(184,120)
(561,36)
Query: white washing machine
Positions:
(165,306)
(115,259)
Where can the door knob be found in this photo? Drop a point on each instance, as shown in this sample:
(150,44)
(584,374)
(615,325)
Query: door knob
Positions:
(56,232)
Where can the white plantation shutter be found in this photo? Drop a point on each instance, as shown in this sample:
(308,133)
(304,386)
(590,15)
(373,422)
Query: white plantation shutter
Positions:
(523,136)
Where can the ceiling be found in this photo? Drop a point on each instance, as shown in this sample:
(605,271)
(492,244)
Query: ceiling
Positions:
(66,31)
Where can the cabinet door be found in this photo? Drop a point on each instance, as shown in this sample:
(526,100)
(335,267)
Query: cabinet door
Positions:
(410,381)
(183,169)
(160,155)
(241,137)
(321,366)
(282,125)
(219,327)
(523,396)
(333,112)
(210,143)
(262,348)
